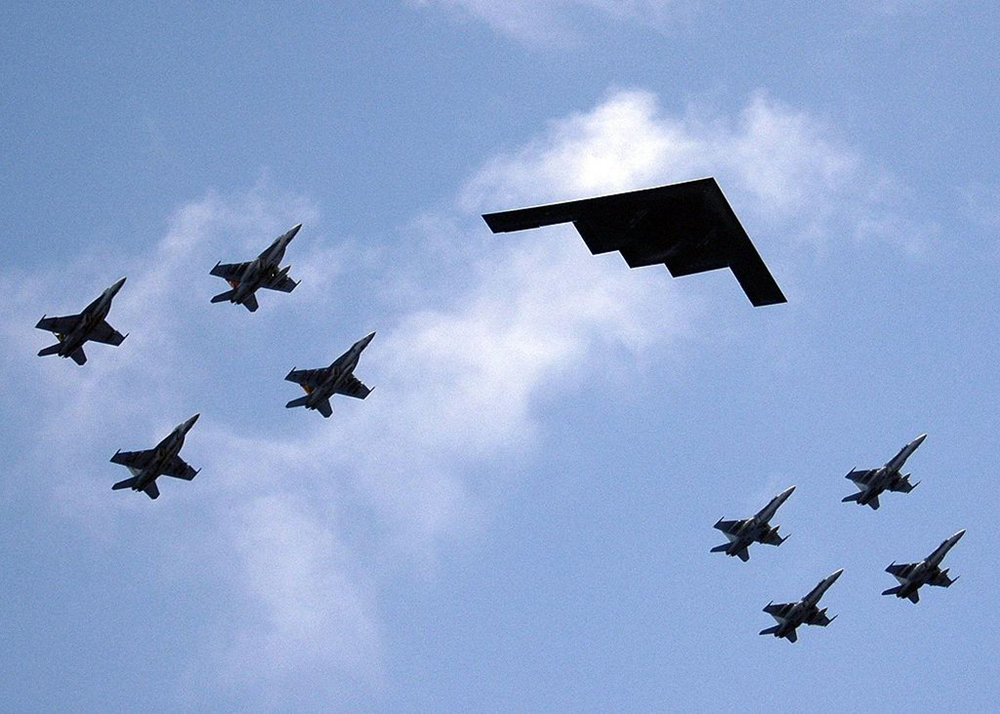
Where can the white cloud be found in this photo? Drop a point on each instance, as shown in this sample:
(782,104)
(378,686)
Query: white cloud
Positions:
(308,526)
(558,21)
(784,170)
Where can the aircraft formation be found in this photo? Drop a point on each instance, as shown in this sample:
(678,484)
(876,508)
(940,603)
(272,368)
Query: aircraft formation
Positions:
(911,576)
(687,227)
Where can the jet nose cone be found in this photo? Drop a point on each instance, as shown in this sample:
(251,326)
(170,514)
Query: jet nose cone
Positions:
(295,229)
(919,440)
(364,341)
(958,536)
(835,575)
(190,422)
(117,285)
(787,492)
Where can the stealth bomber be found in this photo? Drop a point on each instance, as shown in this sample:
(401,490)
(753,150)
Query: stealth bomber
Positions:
(264,271)
(161,460)
(912,576)
(757,529)
(689,227)
(872,482)
(321,384)
(73,331)
(804,612)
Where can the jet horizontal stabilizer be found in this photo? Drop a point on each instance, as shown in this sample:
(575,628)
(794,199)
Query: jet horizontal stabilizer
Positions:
(770,630)
(222,297)
(127,483)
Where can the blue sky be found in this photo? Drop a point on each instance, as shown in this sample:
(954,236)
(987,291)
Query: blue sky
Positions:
(519,517)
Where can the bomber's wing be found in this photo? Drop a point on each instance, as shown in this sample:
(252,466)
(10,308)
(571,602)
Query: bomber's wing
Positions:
(861,476)
(729,527)
(133,460)
(353,387)
(106,334)
(779,610)
(62,325)
(308,379)
(179,468)
(279,281)
(230,272)
(818,617)
(688,227)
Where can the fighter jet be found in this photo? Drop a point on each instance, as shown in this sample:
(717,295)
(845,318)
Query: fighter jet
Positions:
(872,482)
(752,530)
(804,612)
(321,384)
(161,460)
(912,576)
(73,330)
(688,227)
(261,272)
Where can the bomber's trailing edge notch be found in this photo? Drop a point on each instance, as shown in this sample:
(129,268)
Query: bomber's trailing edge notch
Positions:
(73,331)
(757,529)
(161,460)
(912,576)
(873,482)
(264,271)
(689,227)
(321,384)
(790,615)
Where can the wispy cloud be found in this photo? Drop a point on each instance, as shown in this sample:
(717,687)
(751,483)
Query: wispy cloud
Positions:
(559,22)
(308,525)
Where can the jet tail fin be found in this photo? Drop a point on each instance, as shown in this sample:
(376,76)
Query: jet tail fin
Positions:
(892,591)
(720,548)
(51,350)
(852,497)
(300,402)
(222,297)
(251,303)
(127,483)
(874,503)
(743,555)
(769,630)
(914,597)
(325,408)
(78,356)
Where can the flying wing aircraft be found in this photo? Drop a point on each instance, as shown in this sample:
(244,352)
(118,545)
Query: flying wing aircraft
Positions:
(688,227)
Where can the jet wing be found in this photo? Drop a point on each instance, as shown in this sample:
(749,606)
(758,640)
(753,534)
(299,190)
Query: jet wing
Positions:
(818,617)
(307,378)
(280,282)
(772,538)
(941,579)
(862,476)
(353,387)
(62,325)
(901,569)
(688,227)
(133,459)
(779,610)
(106,334)
(729,527)
(229,271)
(902,485)
(178,468)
